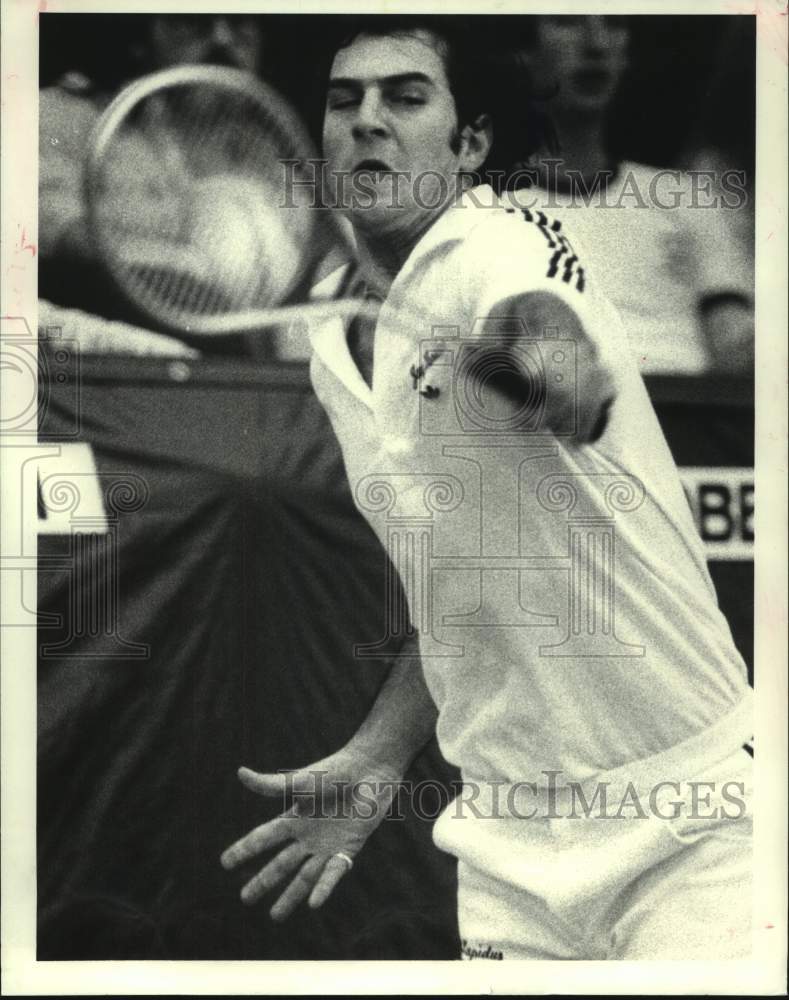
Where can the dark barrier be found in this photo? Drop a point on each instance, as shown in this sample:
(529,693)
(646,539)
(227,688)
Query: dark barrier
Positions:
(203,579)
(209,622)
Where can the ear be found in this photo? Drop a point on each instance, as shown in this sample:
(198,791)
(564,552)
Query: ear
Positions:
(475,142)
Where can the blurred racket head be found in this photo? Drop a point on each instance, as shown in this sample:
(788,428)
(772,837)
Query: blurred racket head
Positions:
(191,200)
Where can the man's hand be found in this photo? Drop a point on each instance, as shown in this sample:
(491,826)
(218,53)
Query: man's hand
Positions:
(575,407)
(337,803)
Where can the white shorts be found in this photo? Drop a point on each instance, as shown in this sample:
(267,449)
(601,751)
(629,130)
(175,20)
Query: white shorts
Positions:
(663,871)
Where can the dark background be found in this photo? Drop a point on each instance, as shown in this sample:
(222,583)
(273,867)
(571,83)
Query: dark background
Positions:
(691,80)
(245,577)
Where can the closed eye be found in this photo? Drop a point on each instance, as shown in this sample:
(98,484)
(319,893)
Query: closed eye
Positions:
(339,103)
(409,100)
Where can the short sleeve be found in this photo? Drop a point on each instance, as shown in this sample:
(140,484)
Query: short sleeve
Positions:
(725,263)
(517,251)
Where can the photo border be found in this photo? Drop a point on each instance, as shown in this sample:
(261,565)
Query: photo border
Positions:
(766,972)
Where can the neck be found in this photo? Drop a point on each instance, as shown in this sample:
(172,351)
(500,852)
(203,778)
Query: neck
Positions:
(382,255)
(380,258)
(582,140)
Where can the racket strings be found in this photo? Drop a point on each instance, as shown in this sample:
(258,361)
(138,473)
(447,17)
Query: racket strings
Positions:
(190,194)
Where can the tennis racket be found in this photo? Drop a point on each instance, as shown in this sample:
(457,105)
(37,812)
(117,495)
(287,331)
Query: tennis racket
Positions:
(194,210)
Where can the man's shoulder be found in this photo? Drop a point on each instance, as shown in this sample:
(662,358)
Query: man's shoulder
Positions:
(69,108)
(508,234)
(498,226)
(70,90)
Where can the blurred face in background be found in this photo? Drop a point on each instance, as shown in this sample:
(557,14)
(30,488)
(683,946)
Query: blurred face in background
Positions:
(389,108)
(233,40)
(585,56)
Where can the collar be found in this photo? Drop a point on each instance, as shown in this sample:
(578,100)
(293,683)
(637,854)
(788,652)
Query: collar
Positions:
(454,225)
(329,338)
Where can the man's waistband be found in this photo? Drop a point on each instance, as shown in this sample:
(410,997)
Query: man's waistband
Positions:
(670,772)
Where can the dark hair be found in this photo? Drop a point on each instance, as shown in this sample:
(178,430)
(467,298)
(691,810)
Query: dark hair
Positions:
(98,46)
(484,76)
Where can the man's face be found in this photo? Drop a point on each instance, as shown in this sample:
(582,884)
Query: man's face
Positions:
(389,108)
(585,55)
(225,41)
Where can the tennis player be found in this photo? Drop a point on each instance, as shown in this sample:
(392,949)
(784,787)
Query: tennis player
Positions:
(570,653)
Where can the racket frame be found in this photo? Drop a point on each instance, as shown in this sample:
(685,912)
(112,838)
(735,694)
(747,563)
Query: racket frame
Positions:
(233,81)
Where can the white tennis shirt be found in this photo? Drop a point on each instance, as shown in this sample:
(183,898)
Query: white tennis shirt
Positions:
(567,620)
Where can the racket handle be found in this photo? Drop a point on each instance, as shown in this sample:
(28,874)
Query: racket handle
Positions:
(255,320)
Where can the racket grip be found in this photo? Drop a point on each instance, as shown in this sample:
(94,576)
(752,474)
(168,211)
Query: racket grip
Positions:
(255,320)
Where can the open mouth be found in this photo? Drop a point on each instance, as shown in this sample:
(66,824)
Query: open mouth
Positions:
(593,80)
(372,167)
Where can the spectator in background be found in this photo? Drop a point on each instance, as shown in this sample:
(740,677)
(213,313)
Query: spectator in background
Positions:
(715,146)
(660,242)
(69,273)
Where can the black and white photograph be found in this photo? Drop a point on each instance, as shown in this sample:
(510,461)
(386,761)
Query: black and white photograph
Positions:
(394,510)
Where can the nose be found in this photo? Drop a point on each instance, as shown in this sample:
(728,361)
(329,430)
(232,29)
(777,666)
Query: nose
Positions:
(369,119)
(596,34)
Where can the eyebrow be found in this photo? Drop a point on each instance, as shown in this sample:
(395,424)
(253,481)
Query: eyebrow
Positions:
(352,83)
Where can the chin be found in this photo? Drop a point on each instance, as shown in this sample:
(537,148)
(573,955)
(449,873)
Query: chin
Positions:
(378,218)
(591,102)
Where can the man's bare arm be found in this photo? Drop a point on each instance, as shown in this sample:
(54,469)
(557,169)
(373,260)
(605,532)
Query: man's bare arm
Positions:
(403,717)
(330,819)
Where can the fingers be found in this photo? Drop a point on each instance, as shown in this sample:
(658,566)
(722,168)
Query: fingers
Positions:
(278,869)
(264,784)
(258,840)
(333,871)
(298,890)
